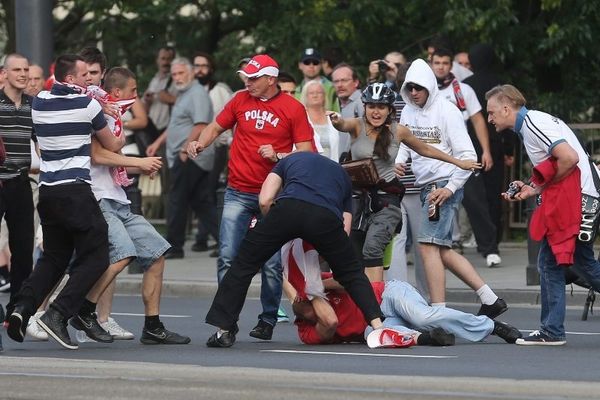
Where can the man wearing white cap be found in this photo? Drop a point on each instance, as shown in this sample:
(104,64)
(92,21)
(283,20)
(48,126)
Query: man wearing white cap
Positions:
(267,124)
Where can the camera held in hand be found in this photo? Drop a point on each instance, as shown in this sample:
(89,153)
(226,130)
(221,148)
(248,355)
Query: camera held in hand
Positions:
(383,67)
(512,190)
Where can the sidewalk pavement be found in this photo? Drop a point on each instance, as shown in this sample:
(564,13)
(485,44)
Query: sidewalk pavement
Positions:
(195,275)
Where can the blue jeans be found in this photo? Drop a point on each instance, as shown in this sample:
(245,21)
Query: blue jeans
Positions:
(402,305)
(238,210)
(438,232)
(552,281)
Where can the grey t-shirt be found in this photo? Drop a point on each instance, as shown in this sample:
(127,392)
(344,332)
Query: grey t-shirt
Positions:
(193,106)
(363,146)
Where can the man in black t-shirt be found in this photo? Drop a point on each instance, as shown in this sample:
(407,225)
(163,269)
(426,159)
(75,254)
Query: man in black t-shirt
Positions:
(314,205)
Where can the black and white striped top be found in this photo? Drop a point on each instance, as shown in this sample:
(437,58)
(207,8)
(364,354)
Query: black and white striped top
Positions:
(16,129)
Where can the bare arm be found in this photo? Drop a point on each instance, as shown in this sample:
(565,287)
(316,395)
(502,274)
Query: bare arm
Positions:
(566,160)
(426,150)
(347,222)
(268,191)
(145,165)
(110,141)
(350,125)
(481,131)
(204,139)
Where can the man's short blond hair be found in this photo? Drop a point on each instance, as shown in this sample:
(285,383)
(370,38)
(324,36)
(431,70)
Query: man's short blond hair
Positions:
(507,94)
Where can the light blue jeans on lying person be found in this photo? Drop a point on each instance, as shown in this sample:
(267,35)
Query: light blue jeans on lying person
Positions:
(406,310)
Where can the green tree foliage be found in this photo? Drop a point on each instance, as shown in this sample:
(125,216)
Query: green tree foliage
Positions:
(548,48)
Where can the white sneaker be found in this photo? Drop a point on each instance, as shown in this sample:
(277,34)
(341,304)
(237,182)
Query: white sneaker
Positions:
(82,337)
(492,260)
(470,243)
(389,337)
(116,331)
(34,330)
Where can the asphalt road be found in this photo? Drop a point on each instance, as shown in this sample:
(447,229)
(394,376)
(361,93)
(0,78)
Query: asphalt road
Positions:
(285,368)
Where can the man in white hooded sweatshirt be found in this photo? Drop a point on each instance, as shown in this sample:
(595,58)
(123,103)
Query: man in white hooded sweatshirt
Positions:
(439,123)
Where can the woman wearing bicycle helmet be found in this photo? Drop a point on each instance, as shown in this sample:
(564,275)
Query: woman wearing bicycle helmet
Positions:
(376,135)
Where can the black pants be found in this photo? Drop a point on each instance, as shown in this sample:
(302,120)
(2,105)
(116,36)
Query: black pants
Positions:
(16,205)
(476,205)
(290,219)
(189,186)
(493,181)
(71,221)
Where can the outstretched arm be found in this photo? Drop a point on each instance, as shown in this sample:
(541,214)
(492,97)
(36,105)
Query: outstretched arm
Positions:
(426,150)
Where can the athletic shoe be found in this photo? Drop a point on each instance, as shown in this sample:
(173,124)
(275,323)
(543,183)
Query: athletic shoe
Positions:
(537,338)
(115,330)
(436,337)
(34,330)
(161,335)
(509,333)
(493,310)
(470,243)
(282,315)
(227,339)
(492,260)
(81,337)
(17,323)
(388,338)
(263,330)
(89,324)
(55,324)
(4,284)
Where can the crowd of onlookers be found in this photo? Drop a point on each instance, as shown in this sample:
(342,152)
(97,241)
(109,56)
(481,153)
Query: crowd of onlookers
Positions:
(156,125)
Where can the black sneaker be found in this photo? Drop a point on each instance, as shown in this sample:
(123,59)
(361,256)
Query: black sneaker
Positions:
(17,323)
(174,254)
(227,339)
(55,324)
(537,338)
(436,337)
(161,335)
(89,324)
(263,330)
(493,310)
(509,333)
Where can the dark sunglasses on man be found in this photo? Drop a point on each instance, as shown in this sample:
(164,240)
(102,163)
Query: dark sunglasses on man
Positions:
(413,86)
(311,62)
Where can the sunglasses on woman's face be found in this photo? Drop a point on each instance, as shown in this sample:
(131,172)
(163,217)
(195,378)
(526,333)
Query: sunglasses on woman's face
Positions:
(411,86)
(311,62)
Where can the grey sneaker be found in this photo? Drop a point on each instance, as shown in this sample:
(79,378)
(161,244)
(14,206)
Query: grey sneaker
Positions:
(161,335)
(55,324)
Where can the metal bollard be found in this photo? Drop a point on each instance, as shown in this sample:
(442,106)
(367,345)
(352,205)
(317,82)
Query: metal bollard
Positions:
(532,276)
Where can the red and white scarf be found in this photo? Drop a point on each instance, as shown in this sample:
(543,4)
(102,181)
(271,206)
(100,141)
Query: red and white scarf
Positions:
(119,174)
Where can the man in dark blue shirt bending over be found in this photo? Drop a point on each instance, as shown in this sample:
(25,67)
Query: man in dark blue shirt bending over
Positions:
(314,205)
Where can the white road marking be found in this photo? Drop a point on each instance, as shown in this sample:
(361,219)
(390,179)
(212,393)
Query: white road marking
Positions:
(339,353)
(142,315)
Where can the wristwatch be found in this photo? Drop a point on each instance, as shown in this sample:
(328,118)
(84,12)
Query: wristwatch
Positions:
(279,156)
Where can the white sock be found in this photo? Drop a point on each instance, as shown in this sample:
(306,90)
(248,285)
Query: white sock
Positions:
(486,295)
(438,304)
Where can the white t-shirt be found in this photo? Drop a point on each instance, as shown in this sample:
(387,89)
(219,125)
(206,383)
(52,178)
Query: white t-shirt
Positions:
(541,132)
(472,104)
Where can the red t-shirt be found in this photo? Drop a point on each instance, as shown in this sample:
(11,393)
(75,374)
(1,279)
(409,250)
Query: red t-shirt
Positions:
(280,121)
(351,322)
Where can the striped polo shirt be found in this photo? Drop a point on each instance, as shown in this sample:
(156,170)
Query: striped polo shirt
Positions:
(64,121)
(16,130)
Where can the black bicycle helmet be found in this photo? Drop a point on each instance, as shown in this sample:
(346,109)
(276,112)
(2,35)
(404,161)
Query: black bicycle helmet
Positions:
(378,93)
